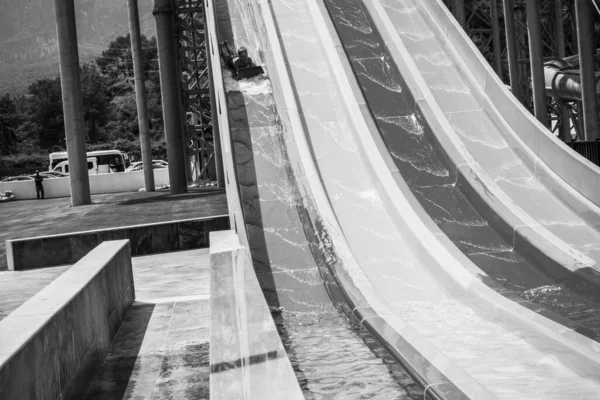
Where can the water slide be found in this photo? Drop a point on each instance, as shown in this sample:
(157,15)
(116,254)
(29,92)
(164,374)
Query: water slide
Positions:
(373,172)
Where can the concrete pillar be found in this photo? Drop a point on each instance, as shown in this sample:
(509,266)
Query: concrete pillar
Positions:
(511,45)
(72,102)
(560,31)
(496,37)
(536,60)
(458,9)
(586,35)
(169,86)
(214,114)
(140,94)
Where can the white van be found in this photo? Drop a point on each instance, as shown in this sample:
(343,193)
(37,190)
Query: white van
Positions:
(91,162)
(107,161)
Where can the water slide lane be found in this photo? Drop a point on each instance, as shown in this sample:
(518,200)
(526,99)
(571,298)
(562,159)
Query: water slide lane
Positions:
(496,352)
(495,152)
(434,182)
(329,354)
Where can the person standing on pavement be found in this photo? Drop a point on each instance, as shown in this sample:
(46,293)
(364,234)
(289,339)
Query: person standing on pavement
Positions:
(39,188)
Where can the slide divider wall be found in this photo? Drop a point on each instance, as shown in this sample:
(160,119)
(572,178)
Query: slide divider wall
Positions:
(573,178)
(247,357)
(526,235)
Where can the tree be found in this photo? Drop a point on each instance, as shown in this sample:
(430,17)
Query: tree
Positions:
(9,120)
(117,61)
(94,88)
(44,112)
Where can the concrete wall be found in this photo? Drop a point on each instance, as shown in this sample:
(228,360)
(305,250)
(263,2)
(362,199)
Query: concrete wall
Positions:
(234,204)
(99,184)
(61,335)
(45,251)
(242,330)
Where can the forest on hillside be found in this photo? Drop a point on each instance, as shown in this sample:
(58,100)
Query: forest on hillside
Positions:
(31,125)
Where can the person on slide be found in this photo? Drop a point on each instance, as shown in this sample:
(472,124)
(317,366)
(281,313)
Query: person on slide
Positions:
(243,61)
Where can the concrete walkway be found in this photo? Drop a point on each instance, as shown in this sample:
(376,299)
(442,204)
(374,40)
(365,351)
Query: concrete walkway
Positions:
(161,350)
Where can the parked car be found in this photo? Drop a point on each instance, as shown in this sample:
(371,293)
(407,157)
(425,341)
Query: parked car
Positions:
(51,174)
(18,178)
(138,166)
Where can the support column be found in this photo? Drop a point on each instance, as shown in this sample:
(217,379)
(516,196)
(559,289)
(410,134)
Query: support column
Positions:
(565,121)
(140,94)
(496,38)
(586,34)
(560,30)
(169,86)
(72,102)
(511,45)
(458,9)
(536,60)
(214,114)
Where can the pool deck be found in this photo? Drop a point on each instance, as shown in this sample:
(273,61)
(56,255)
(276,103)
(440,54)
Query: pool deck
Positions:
(161,350)
(28,218)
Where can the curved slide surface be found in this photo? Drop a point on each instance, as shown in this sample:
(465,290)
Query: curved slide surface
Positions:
(409,284)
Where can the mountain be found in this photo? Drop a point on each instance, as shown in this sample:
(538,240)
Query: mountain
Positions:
(28,44)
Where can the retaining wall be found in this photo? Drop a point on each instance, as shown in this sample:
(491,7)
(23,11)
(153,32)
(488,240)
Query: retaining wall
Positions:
(61,335)
(45,251)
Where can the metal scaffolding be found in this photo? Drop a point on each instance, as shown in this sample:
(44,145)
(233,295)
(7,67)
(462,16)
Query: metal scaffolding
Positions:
(195,87)
(501,31)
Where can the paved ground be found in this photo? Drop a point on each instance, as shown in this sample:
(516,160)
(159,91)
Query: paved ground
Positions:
(28,218)
(161,350)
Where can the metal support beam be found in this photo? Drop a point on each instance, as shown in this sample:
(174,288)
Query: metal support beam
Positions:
(536,59)
(511,44)
(559,29)
(169,86)
(458,9)
(72,102)
(140,94)
(210,53)
(496,37)
(586,13)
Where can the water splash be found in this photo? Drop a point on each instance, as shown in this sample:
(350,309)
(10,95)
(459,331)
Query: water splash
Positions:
(256,86)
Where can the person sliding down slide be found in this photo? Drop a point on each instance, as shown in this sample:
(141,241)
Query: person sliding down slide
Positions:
(242,65)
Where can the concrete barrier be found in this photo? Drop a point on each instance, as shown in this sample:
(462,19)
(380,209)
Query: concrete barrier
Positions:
(61,335)
(247,357)
(99,184)
(45,251)
(234,205)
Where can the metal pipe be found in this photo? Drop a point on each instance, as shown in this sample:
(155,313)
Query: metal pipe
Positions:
(560,30)
(537,61)
(169,86)
(586,38)
(458,9)
(72,102)
(214,113)
(496,38)
(140,94)
(511,45)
